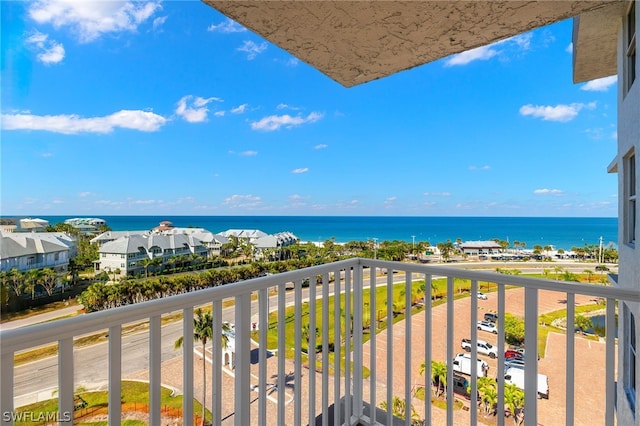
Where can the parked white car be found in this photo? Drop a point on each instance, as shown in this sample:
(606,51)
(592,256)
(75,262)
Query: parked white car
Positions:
(484,348)
(487,326)
(482,296)
(516,376)
(462,364)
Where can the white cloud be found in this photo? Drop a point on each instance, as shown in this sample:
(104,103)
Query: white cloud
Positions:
(252,49)
(479,168)
(219,113)
(248,153)
(159,21)
(390,200)
(228,26)
(437,194)
(238,200)
(274,122)
(49,51)
(300,170)
(197,111)
(91,20)
(546,191)
(569,48)
(85,194)
(562,113)
(285,106)
(239,109)
(481,53)
(71,124)
(600,85)
(46,154)
(321,146)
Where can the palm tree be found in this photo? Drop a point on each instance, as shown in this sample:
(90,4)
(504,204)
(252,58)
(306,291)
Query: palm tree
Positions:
(487,387)
(583,323)
(438,374)
(145,263)
(589,273)
(514,399)
(16,280)
(203,332)
(32,280)
(399,410)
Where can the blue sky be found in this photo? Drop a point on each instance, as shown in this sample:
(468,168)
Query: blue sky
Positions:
(170,108)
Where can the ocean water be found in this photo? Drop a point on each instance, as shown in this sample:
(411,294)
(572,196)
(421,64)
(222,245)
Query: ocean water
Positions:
(561,232)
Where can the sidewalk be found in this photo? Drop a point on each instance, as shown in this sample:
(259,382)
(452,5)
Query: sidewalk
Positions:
(35,319)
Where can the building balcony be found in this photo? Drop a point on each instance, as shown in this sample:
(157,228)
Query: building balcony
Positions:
(368,352)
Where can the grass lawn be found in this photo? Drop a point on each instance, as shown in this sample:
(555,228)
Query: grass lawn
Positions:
(135,398)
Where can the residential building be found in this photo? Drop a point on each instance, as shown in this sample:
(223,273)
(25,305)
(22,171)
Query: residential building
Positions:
(273,243)
(246,235)
(128,254)
(213,242)
(109,236)
(475,248)
(36,250)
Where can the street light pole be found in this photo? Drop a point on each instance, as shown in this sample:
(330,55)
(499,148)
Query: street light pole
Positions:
(413,250)
(375,247)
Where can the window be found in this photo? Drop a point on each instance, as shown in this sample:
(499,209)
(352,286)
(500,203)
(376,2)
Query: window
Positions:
(630,356)
(630,211)
(630,42)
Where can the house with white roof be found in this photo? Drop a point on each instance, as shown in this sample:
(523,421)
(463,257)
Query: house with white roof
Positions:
(213,242)
(37,250)
(248,235)
(127,253)
(273,242)
(476,248)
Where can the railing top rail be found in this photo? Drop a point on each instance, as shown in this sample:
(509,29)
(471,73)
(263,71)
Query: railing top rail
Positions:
(14,340)
(17,339)
(632,295)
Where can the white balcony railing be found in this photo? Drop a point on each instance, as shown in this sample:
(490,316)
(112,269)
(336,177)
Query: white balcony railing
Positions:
(366,368)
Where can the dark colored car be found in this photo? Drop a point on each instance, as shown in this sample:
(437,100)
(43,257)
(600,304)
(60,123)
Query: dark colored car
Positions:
(491,317)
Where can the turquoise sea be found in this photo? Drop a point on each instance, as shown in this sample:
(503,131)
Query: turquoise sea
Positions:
(563,232)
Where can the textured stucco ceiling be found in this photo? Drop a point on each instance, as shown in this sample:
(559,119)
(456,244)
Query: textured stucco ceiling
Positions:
(358,41)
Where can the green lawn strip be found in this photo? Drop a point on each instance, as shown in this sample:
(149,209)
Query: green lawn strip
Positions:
(545,321)
(135,396)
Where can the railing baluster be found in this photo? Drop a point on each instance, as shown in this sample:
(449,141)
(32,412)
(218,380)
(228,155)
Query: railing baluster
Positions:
(242,416)
(473,401)
(428,346)
(373,328)
(449,331)
(280,381)
(357,342)
(155,363)
(348,326)
(500,372)
(312,350)
(263,325)
(407,345)
(531,368)
(6,386)
(389,345)
(65,377)
(325,349)
(187,366)
(610,349)
(115,374)
(216,363)
(569,368)
(297,355)
(337,339)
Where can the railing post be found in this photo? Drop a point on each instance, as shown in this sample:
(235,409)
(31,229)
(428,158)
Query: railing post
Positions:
(263,321)
(570,358)
(449,338)
(242,415)
(216,364)
(610,360)
(357,341)
(297,353)
(115,374)
(6,387)
(65,378)
(531,368)
(155,370)
(187,367)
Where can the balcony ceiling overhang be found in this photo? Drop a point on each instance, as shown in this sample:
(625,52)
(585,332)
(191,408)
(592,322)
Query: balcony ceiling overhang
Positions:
(354,42)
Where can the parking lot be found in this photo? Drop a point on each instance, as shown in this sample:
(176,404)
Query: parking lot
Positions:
(589,362)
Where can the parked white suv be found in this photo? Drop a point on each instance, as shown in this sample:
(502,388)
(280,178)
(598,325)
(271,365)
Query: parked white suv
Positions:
(487,326)
(484,348)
